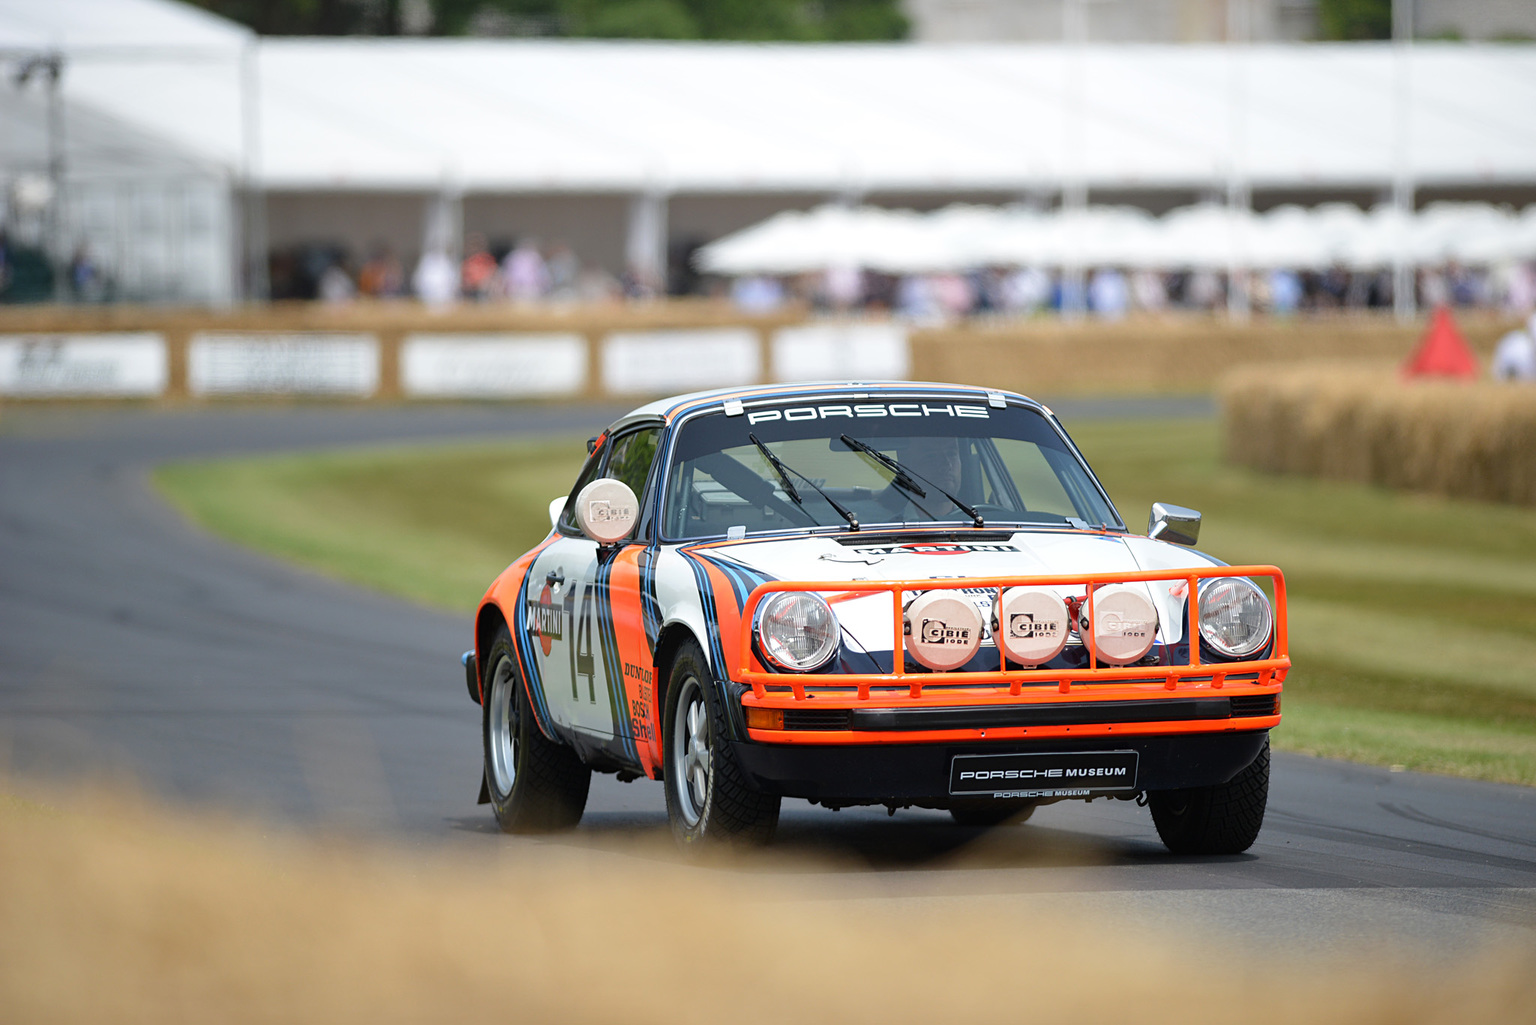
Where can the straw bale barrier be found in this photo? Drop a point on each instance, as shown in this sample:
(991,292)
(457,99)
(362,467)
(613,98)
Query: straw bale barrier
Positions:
(1173,353)
(1364,423)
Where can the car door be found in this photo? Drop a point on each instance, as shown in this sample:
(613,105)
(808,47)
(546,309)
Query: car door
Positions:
(583,675)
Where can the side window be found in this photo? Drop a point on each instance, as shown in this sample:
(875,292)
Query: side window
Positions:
(589,473)
(631,458)
(628,459)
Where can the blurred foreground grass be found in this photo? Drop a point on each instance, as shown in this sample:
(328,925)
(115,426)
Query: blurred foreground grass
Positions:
(114,911)
(1413,619)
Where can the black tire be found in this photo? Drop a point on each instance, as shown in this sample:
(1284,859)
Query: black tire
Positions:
(985,814)
(709,800)
(1222,819)
(535,784)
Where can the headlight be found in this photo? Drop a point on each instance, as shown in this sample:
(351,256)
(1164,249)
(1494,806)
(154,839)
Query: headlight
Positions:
(1235,617)
(796,630)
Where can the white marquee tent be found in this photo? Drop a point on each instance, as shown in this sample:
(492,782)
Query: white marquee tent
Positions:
(628,116)
(576,116)
(1203,236)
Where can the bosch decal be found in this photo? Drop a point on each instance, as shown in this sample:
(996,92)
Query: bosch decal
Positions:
(640,707)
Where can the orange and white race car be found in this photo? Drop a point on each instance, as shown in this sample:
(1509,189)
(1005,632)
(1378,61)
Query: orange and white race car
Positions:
(892,594)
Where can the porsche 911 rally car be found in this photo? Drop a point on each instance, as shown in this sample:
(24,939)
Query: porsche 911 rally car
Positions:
(892,594)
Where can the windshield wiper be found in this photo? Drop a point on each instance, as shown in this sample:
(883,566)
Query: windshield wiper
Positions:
(784,471)
(902,477)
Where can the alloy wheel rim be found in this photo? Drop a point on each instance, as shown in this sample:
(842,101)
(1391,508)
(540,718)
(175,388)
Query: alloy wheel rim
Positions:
(691,757)
(503,727)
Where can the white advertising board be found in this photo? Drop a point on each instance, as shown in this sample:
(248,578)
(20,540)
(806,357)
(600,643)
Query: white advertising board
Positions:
(841,352)
(282,362)
(661,362)
(492,366)
(118,364)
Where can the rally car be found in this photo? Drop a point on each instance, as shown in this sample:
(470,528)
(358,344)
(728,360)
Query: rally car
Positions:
(887,594)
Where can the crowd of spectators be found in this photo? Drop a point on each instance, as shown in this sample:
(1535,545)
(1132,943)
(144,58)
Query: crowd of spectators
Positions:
(529,271)
(1113,292)
(524,271)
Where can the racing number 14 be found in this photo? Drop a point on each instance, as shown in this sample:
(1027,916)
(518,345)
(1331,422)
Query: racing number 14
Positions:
(582,663)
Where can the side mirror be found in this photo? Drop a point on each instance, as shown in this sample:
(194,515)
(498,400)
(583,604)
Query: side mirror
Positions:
(556,507)
(606,510)
(1173,523)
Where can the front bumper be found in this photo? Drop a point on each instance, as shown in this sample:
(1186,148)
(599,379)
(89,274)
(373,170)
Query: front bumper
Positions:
(899,773)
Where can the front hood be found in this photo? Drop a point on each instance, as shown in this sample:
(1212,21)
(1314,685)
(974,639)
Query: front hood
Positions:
(867,620)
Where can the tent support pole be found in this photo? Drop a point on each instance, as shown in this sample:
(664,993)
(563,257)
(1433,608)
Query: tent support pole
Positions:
(252,245)
(1404,301)
(645,246)
(1074,190)
(1239,195)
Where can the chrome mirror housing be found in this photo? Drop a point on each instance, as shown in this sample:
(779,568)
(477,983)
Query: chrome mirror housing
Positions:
(1173,523)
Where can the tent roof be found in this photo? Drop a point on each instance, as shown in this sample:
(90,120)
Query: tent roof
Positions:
(626,116)
(534,115)
(115,26)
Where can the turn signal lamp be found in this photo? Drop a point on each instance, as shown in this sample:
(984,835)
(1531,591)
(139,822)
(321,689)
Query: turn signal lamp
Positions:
(765,718)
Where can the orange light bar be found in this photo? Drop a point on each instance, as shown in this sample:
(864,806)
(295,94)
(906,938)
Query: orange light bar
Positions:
(1007,681)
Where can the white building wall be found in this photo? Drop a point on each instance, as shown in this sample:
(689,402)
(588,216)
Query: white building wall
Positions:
(156,240)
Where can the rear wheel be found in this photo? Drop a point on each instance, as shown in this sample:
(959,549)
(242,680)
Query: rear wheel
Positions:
(986,813)
(535,784)
(708,797)
(1221,819)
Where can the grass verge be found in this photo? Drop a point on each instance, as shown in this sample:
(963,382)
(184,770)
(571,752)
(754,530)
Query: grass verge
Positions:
(433,524)
(1413,618)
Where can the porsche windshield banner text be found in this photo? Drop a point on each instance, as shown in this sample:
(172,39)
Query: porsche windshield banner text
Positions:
(1090,771)
(869,411)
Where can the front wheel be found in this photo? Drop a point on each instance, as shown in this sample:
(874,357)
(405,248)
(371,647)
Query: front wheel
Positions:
(1220,819)
(535,784)
(708,797)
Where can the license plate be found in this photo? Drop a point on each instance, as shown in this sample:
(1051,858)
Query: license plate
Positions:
(1068,774)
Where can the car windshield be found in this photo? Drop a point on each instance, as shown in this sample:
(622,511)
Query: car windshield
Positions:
(1007,465)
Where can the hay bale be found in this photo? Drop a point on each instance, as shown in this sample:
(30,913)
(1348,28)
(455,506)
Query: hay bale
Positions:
(1362,422)
(1174,353)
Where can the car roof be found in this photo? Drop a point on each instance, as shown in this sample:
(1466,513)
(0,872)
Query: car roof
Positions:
(673,407)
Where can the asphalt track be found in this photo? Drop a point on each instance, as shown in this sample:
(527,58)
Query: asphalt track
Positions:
(135,647)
